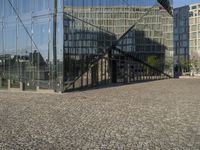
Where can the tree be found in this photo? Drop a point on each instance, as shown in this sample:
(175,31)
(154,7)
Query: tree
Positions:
(190,65)
(169,65)
(184,65)
(153,61)
(193,63)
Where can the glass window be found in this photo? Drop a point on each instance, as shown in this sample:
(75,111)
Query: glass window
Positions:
(1,50)
(176,37)
(181,30)
(184,43)
(192,21)
(1,8)
(194,35)
(25,6)
(10,39)
(194,7)
(24,41)
(194,28)
(41,5)
(40,30)
(8,10)
(1,40)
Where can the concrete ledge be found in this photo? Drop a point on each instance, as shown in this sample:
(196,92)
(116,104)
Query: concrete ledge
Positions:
(22,89)
(39,90)
(45,91)
(15,90)
(189,77)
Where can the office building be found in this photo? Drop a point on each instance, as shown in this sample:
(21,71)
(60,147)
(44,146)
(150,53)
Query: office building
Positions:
(187,38)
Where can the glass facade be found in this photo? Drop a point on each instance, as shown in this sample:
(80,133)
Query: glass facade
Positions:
(70,44)
(187,39)
(181,40)
(28,46)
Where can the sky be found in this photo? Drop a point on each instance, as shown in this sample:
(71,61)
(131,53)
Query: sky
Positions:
(179,3)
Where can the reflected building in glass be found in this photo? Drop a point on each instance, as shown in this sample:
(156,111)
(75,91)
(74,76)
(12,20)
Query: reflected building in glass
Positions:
(71,44)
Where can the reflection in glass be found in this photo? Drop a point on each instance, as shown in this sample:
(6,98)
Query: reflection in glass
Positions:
(70,44)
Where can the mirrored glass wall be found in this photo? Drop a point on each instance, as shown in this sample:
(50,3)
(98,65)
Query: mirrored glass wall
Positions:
(28,56)
(70,44)
(118,41)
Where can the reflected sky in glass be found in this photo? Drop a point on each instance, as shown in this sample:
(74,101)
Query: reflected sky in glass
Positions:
(110,2)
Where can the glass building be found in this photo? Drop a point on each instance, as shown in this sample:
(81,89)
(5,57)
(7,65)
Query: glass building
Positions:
(187,39)
(71,44)
(181,39)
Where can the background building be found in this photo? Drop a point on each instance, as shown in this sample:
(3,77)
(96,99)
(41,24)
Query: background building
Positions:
(68,44)
(187,38)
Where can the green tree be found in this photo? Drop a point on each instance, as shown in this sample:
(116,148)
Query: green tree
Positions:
(153,61)
(184,64)
(169,65)
(193,64)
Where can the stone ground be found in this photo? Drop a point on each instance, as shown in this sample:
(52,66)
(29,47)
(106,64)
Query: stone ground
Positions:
(154,115)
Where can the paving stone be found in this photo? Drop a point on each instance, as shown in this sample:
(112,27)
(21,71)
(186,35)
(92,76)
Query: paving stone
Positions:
(150,116)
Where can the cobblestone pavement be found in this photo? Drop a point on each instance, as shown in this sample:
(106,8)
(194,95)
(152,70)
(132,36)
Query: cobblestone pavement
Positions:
(150,116)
